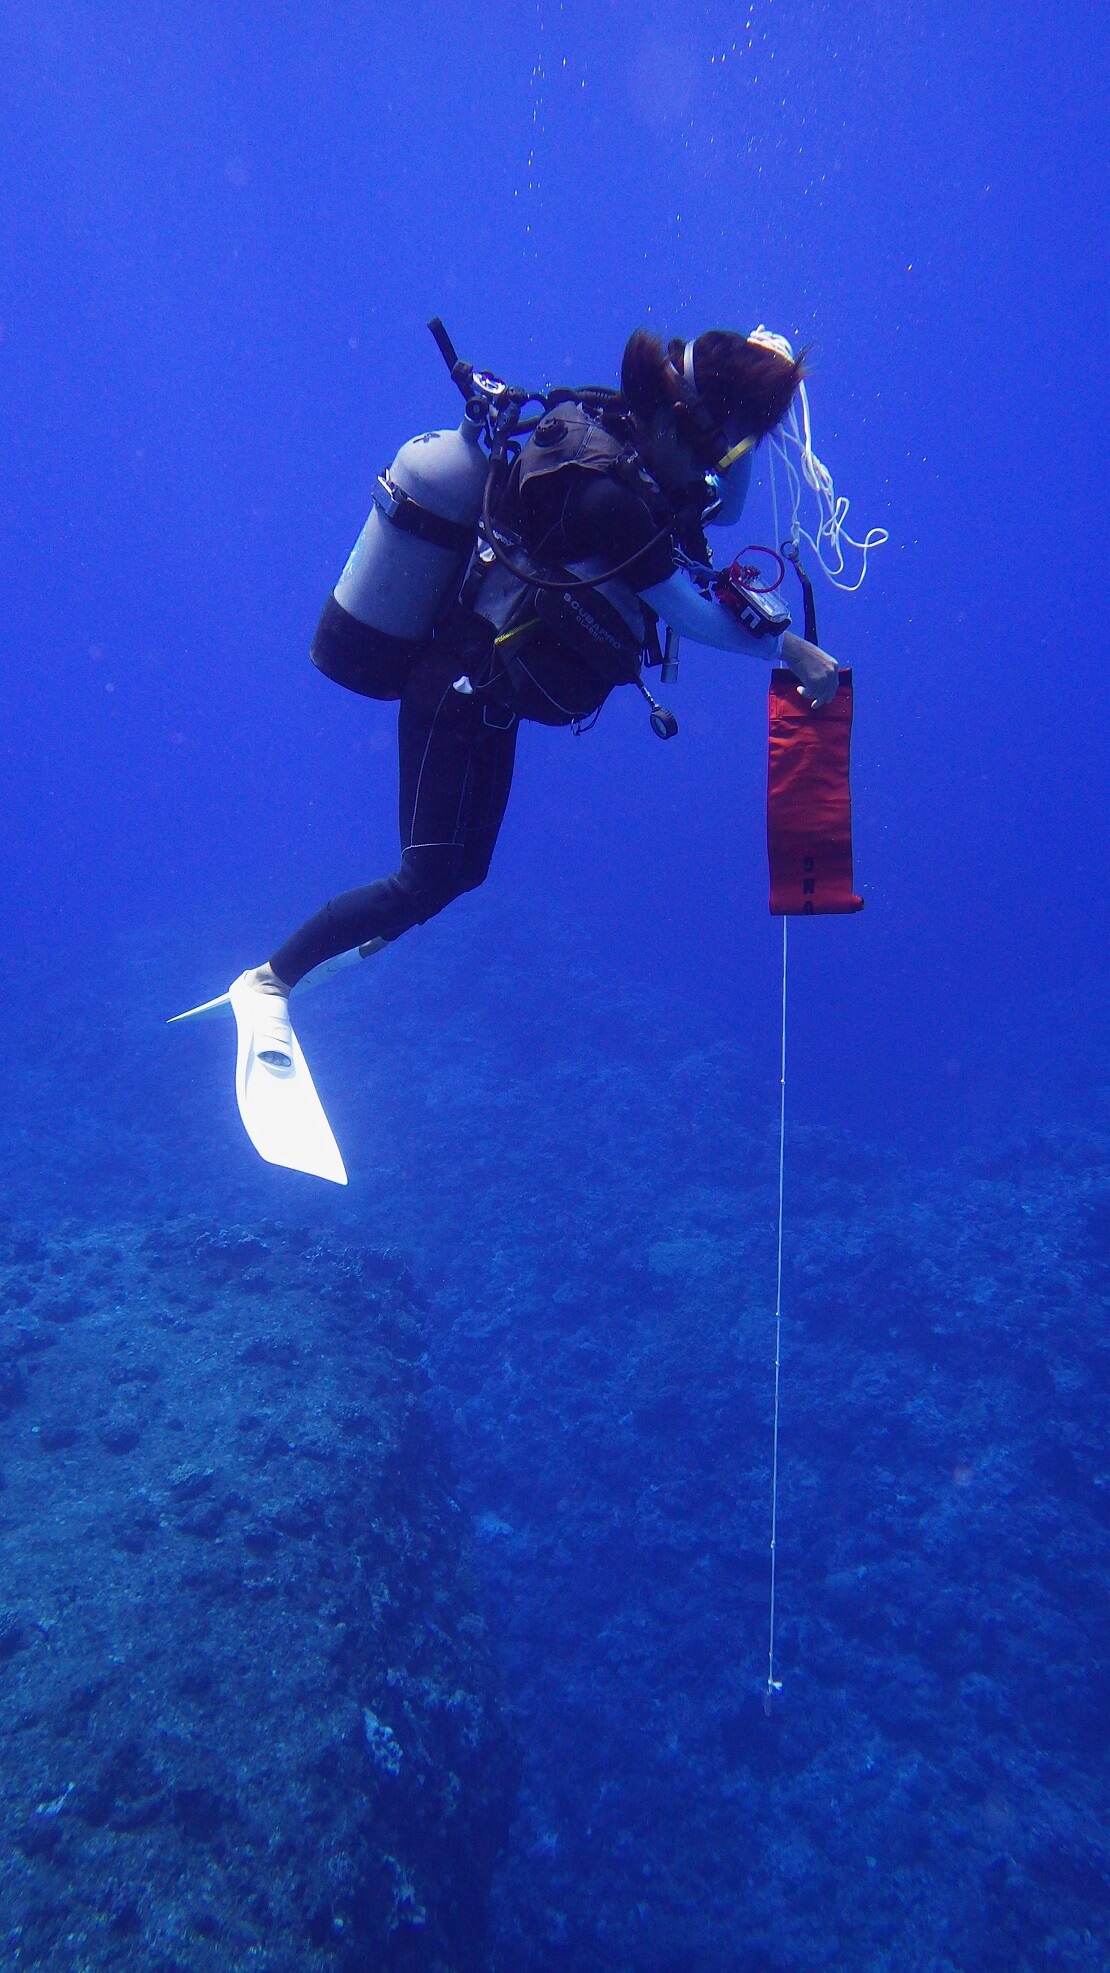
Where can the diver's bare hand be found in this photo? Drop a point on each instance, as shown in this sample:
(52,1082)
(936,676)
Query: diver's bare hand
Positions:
(819,674)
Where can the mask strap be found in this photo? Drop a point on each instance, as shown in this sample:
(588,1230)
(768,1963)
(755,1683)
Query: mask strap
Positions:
(675,386)
(734,453)
(685,397)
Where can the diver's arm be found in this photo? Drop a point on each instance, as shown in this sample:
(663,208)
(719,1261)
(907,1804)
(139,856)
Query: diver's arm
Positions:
(682,604)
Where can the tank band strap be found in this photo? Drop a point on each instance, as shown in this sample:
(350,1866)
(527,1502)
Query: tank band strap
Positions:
(408,515)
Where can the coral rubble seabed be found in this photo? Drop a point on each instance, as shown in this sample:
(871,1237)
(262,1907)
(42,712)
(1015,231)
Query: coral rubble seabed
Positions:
(245,1695)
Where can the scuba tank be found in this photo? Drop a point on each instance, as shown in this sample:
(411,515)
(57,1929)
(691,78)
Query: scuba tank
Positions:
(409,560)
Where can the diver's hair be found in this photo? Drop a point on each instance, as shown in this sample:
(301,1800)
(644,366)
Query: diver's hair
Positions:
(642,368)
(741,383)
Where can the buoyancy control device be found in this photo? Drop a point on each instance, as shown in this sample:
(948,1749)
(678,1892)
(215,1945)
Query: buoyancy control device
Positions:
(406,569)
(557,653)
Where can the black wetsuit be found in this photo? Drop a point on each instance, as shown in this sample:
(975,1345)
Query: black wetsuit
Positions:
(456,751)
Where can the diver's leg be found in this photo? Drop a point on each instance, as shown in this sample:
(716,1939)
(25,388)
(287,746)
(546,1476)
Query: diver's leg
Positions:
(491,779)
(440,733)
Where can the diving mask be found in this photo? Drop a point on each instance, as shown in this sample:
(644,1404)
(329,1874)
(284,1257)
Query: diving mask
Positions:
(728,485)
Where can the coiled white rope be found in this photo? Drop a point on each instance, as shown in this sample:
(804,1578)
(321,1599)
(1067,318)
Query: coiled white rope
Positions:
(791,446)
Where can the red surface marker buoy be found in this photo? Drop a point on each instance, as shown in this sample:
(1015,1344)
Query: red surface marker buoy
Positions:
(809,802)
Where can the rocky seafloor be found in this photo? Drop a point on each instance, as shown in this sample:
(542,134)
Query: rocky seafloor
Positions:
(930,1790)
(246,1698)
(592,1225)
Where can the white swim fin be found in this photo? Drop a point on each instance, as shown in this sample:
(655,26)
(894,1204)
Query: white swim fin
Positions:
(282,1114)
(326,970)
(201,1013)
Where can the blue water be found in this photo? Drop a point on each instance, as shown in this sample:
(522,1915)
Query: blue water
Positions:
(223,234)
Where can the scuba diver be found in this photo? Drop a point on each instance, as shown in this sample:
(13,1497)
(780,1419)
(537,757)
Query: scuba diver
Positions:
(519,568)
